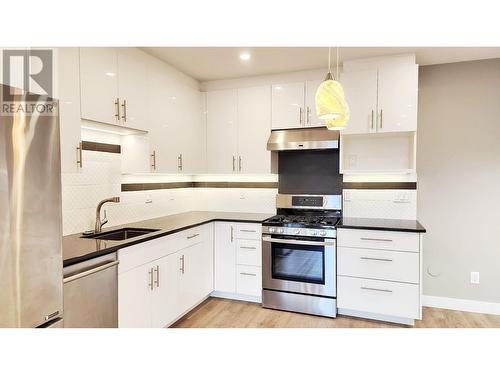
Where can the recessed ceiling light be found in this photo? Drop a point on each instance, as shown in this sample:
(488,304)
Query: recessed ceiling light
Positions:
(245,56)
(110,74)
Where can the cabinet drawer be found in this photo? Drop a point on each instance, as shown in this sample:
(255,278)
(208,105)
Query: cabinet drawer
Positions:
(378,297)
(248,231)
(249,252)
(145,252)
(378,239)
(190,237)
(378,264)
(249,280)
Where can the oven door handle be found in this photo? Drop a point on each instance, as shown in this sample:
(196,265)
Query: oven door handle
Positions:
(297,242)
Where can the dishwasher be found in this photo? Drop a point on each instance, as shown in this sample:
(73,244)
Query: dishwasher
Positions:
(91,293)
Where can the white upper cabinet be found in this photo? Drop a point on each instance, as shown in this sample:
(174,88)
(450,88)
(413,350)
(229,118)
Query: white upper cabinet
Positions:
(382,94)
(397,98)
(132,86)
(254,127)
(238,126)
(288,105)
(360,88)
(222,117)
(310,119)
(67,91)
(99,85)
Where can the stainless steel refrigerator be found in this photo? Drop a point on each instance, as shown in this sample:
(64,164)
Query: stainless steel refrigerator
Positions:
(31,286)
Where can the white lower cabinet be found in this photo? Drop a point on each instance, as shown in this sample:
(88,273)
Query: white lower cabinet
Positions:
(238,268)
(160,280)
(379,274)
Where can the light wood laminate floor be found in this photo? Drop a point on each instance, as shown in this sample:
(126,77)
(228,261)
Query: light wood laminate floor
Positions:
(225,313)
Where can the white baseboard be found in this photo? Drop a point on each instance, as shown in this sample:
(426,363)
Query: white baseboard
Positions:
(239,297)
(461,304)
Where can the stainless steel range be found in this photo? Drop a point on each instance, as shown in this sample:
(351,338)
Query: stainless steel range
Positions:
(299,254)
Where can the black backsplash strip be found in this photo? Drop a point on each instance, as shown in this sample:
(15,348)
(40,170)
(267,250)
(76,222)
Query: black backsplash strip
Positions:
(380,185)
(101,147)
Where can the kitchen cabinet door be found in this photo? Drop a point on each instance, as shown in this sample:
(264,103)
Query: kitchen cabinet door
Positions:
(191,133)
(163,121)
(196,274)
(254,127)
(311,119)
(288,105)
(165,306)
(67,91)
(134,297)
(222,134)
(397,97)
(99,85)
(132,88)
(225,257)
(360,88)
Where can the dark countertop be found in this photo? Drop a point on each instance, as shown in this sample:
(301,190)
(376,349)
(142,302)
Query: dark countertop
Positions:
(381,224)
(77,249)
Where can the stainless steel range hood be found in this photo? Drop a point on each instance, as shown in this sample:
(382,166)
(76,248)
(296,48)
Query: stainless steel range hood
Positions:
(303,139)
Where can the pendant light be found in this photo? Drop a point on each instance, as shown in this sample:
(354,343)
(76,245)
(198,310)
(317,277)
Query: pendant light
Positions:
(330,99)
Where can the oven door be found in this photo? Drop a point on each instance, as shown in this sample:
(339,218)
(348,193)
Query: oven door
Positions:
(305,265)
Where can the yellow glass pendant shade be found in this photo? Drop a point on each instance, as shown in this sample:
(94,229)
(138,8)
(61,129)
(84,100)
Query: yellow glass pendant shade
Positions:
(340,122)
(329,99)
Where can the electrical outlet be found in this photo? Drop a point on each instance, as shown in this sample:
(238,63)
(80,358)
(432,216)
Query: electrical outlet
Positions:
(474,277)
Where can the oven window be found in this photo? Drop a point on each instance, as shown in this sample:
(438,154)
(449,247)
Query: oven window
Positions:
(298,263)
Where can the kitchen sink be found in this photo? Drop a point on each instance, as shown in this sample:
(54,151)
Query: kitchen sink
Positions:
(120,234)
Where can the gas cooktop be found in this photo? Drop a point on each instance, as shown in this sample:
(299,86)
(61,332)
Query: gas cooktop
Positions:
(311,221)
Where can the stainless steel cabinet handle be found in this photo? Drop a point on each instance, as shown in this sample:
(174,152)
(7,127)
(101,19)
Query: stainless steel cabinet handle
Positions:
(372,122)
(157,282)
(90,272)
(376,289)
(300,115)
(248,274)
(308,115)
(298,242)
(376,239)
(193,236)
(234,163)
(151,283)
(124,106)
(232,233)
(80,154)
(248,248)
(153,160)
(380,259)
(248,230)
(182,264)
(381,118)
(117,106)
(239,163)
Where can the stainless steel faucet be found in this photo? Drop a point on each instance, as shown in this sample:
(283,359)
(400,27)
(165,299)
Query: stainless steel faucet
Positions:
(98,222)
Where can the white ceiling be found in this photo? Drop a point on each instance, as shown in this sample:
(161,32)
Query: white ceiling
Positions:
(211,63)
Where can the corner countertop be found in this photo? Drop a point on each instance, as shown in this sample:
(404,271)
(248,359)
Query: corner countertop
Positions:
(77,249)
(381,224)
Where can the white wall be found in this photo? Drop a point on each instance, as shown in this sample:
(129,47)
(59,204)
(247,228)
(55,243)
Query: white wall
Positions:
(458,164)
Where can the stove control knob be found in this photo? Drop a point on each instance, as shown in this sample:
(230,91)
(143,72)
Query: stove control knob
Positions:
(322,233)
(272,229)
(279,230)
(313,232)
(296,231)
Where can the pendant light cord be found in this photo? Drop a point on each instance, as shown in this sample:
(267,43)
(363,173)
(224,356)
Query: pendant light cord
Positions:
(337,71)
(329,60)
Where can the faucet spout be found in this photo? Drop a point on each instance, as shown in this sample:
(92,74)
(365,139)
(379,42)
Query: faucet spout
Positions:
(98,222)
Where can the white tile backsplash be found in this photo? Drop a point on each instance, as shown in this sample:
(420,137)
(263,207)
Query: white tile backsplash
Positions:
(383,204)
(101,178)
